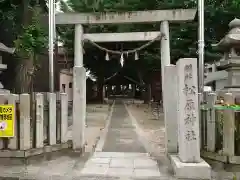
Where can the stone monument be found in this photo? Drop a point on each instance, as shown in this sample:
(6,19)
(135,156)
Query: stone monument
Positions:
(187,164)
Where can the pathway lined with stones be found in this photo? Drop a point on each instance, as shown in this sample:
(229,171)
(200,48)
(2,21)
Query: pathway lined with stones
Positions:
(123,154)
(121,136)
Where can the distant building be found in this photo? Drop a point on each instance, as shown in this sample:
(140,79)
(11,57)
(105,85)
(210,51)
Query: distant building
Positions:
(65,63)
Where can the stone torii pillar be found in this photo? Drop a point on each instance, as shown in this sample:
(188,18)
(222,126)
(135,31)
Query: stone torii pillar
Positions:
(165,47)
(168,95)
(79,92)
(79,19)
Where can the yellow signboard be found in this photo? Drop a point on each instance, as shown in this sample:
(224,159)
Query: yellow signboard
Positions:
(7,120)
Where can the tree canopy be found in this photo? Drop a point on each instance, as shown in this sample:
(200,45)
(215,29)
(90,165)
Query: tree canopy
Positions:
(183,36)
(21,28)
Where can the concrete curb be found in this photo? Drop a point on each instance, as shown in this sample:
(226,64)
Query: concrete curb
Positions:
(101,140)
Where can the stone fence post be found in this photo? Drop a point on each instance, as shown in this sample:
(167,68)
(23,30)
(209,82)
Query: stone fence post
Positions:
(229,127)
(52,119)
(25,131)
(211,122)
(39,120)
(64,117)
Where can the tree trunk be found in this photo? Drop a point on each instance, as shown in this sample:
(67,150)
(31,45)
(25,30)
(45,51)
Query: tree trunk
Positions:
(23,80)
(147,94)
(25,17)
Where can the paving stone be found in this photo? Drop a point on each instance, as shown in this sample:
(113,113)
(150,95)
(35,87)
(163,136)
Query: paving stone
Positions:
(144,163)
(123,149)
(99,161)
(136,155)
(120,172)
(92,165)
(97,177)
(121,136)
(146,172)
(119,155)
(95,170)
(108,154)
(121,163)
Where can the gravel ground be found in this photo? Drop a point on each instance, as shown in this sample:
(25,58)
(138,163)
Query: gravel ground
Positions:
(154,130)
(95,122)
(152,127)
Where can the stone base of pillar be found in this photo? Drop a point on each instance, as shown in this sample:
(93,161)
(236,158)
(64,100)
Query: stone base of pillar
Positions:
(192,171)
(79,108)
(77,151)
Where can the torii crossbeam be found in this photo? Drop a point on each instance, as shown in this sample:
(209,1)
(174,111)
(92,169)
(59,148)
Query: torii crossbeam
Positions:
(79,73)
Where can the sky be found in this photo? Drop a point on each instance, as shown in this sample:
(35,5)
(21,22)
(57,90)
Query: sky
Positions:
(58,6)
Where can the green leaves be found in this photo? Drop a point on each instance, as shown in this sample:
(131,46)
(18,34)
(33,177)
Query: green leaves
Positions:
(183,36)
(33,40)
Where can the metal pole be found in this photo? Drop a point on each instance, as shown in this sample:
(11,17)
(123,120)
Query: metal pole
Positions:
(201,67)
(51,44)
(54,23)
(201,45)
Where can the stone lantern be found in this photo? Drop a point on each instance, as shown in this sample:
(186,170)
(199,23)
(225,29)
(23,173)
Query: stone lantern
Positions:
(5,49)
(230,94)
(230,45)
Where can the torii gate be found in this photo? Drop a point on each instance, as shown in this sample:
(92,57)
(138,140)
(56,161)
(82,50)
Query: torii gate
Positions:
(79,72)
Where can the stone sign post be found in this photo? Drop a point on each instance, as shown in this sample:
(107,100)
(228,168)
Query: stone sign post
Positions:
(188,164)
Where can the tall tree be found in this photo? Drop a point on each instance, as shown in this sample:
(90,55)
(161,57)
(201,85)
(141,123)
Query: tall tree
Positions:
(15,17)
(183,36)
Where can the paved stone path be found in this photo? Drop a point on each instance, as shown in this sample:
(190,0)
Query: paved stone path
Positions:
(121,136)
(135,165)
(123,154)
